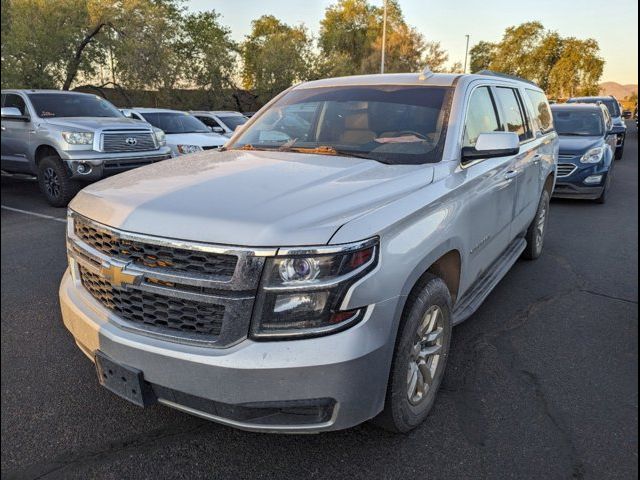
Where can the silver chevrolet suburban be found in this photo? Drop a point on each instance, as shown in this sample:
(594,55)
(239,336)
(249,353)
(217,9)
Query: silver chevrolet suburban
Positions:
(68,139)
(307,278)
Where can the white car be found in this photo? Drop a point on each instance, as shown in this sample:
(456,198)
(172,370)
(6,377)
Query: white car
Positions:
(184,132)
(223,122)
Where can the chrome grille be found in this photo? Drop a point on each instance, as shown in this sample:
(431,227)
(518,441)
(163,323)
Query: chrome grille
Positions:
(154,310)
(565,169)
(154,256)
(180,291)
(128,141)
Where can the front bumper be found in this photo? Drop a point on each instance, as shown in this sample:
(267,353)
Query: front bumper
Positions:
(574,186)
(100,165)
(340,379)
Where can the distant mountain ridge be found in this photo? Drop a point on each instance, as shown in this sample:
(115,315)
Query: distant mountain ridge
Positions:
(617,90)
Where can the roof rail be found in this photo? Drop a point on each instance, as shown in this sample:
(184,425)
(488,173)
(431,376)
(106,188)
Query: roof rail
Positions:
(491,73)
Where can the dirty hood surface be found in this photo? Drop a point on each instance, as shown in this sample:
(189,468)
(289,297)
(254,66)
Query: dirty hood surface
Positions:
(248,198)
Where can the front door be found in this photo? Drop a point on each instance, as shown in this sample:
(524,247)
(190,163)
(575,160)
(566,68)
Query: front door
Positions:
(15,137)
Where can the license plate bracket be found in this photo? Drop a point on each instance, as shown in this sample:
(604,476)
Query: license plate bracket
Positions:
(126,382)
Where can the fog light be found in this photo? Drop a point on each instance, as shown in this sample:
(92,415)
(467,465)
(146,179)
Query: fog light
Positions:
(83,169)
(593,179)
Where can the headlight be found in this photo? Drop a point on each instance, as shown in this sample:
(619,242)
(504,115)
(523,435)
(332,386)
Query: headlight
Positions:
(183,149)
(78,138)
(161,138)
(593,156)
(301,295)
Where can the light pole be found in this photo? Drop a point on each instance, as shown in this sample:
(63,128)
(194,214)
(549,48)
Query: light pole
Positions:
(384,35)
(466,55)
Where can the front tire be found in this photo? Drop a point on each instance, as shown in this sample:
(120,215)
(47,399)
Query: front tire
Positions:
(537,230)
(420,357)
(55,182)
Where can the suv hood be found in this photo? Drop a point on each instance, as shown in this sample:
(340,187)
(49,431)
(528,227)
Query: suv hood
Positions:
(573,145)
(94,123)
(199,139)
(248,198)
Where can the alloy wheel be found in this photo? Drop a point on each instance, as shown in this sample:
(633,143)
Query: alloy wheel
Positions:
(51,182)
(425,355)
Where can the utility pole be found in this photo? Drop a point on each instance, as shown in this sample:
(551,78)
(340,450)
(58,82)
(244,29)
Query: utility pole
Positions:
(384,35)
(466,55)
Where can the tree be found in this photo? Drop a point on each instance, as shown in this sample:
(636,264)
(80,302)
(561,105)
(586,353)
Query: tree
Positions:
(481,55)
(435,57)
(561,66)
(351,39)
(274,56)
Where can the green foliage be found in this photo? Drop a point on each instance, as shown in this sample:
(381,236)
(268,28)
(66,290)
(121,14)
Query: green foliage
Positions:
(563,67)
(274,56)
(351,39)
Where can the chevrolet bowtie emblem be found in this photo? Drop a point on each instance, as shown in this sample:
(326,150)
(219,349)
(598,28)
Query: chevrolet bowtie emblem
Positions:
(116,275)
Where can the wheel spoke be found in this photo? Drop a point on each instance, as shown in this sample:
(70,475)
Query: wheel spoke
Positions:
(434,335)
(425,371)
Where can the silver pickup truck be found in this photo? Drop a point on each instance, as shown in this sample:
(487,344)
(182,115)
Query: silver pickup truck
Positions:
(68,139)
(307,278)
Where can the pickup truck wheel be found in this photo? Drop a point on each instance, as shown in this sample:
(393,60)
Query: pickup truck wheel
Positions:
(55,182)
(537,230)
(420,357)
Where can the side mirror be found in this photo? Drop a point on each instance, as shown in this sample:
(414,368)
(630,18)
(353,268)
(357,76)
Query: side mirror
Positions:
(217,129)
(626,114)
(490,145)
(127,113)
(13,113)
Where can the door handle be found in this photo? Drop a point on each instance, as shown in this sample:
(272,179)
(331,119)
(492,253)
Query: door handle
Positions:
(536,158)
(511,174)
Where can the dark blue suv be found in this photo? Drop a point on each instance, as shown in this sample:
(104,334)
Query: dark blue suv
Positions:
(619,127)
(587,146)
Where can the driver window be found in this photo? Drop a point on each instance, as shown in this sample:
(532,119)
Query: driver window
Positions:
(481,116)
(15,101)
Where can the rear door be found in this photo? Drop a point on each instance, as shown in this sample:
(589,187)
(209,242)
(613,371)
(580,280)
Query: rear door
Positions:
(490,186)
(526,165)
(16,135)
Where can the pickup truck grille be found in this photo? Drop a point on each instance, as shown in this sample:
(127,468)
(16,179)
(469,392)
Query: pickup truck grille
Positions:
(180,291)
(133,141)
(154,256)
(151,309)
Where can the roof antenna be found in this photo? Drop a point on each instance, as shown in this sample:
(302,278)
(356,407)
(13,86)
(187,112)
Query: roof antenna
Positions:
(426,73)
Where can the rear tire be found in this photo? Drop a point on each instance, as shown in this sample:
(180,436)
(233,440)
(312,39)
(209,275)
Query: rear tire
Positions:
(55,182)
(537,230)
(620,150)
(420,357)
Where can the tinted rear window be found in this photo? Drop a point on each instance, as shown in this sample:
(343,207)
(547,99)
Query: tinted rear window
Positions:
(541,110)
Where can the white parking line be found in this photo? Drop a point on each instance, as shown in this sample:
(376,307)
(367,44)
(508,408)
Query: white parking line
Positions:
(27,212)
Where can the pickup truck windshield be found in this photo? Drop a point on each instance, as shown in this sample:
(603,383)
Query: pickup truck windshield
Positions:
(175,122)
(56,105)
(576,123)
(395,124)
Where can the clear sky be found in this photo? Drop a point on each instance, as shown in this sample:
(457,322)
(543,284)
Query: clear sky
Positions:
(614,24)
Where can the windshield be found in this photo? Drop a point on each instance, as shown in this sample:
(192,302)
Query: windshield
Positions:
(580,123)
(175,122)
(233,121)
(611,104)
(388,123)
(56,105)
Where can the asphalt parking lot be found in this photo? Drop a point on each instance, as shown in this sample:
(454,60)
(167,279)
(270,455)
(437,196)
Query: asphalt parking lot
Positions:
(542,380)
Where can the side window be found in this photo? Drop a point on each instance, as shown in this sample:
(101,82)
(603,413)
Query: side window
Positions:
(208,121)
(512,112)
(15,101)
(481,116)
(541,110)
